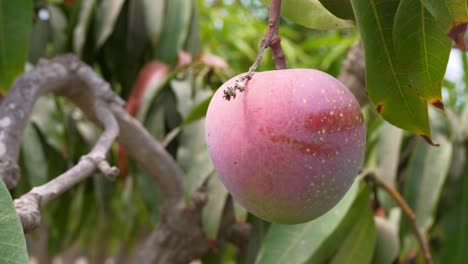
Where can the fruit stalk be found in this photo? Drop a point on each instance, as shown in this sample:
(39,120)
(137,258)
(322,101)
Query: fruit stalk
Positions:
(270,39)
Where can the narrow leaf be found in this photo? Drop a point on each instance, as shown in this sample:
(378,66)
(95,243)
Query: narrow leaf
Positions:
(105,19)
(311,13)
(175,30)
(12,242)
(455,223)
(81,29)
(154,18)
(35,160)
(386,81)
(15,28)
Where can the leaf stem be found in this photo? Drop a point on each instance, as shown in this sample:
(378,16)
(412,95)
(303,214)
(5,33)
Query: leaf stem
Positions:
(270,39)
(371,176)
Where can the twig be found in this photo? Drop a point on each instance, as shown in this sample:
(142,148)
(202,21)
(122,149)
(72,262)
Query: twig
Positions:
(368,175)
(270,39)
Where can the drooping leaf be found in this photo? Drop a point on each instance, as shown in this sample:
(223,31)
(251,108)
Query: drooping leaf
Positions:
(106,17)
(423,50)
(452,17)
(388,152)
(175,30)
(137,35)
(358,246)
(193,156)
(197,112)
(427,170)
(212,212)
(39,36)
(298,243)
(80,31)
(154,18)
(192,44)
(58,23)
(15,28)
(35,160)
(311,13)
(259,229)
(388,158)
(455,224)
(339,8)
(386,79)
(12,242)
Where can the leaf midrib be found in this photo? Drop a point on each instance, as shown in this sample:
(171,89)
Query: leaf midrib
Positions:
(389,60)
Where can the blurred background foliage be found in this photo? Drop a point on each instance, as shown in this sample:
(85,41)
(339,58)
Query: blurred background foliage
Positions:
(166,58)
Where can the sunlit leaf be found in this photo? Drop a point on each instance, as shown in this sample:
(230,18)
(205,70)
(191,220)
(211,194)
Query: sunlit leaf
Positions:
(12,242)
(175,30)
(15,28)
(106,17)
(386,81)
(154,17)
(423,50)
(311,13)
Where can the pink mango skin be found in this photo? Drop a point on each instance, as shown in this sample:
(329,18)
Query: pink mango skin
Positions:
(289,147)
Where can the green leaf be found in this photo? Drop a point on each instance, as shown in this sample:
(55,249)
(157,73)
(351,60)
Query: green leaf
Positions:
(193,156)
(58,23)
(212,212)
(388,158)
(311,13)
(12,242)
(80,31)
(427,170)
(35,160)
(358,246)
(39,38)
(298,243)
(339,8)
(423,50)
(175,30)
(455,224)
(154,18)
(105,19)
(15,28)
(448,13)
(259,229)
(386,79)
(197,112)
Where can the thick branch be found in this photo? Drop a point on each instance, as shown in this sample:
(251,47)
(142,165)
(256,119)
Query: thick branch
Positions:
(406,210)
(69,77)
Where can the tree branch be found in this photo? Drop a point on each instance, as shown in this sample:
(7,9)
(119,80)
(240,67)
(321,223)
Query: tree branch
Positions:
(406,210)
